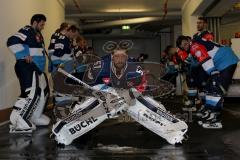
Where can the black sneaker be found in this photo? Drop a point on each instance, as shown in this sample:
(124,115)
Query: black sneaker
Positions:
(204,117)
(201,111)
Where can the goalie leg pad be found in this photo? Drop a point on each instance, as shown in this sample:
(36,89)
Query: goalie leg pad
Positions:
(79,122)
(24,108)
(158,120)
(38,118)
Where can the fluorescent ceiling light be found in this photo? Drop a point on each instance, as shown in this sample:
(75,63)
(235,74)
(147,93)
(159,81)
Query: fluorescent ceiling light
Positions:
(126,10)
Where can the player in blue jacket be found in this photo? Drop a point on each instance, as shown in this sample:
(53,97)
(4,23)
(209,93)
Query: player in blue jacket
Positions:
(28,47)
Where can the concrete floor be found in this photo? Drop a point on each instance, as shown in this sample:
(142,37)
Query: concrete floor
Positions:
(118,140)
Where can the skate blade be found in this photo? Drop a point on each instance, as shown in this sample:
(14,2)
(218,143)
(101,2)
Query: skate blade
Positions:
(13,130)
(212,127)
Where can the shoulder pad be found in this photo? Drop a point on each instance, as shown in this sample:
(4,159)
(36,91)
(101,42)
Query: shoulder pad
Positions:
(25,29)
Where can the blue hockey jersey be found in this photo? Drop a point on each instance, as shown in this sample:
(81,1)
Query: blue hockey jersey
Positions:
(52,42)
(28,42)
(62,50)
(78,51)
(104,72)
(222,56)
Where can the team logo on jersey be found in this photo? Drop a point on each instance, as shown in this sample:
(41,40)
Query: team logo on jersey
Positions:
(198,54)
(38,38)
(106,80)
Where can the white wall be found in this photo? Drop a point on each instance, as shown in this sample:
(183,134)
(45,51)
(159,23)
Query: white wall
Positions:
(228,31)
(15,14)
(177,31)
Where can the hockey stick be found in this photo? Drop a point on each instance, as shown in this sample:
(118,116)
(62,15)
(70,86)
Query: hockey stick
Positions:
(96,92)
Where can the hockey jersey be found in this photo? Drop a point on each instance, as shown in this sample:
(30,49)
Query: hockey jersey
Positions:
(52,42)
(211,61)
(78,51)
(28,42)
(206,38)
(210,54)
(104,72)
(62,50)
(205,35)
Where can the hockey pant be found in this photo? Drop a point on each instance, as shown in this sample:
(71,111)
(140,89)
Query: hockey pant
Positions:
(27,111)
(214,94)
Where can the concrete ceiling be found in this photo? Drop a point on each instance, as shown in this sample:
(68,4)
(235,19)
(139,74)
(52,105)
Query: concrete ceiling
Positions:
(232,15)
(104,14)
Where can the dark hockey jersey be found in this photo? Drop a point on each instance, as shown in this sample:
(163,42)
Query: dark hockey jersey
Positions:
(52,42)
(62,50)
(28,42)
(78,51)
(205,38)
(104,72)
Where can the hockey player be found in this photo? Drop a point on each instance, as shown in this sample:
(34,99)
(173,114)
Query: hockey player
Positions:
(220,64)
(63,46)
(116,93)
(28,47)
(203,33)
(62,30)
(196,77)
(80,46)
(63,50)
(114,71)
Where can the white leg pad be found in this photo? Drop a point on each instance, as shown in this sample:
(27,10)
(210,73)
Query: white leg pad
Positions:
(19,125)
(158,120)
(38,118)
(79,123)
(24,108)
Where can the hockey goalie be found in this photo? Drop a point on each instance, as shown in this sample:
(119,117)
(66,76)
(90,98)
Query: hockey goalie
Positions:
(112,86)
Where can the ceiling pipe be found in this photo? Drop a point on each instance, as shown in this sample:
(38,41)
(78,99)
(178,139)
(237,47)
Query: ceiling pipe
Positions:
(165,8)
(76,4)
(123,22)
(122,14)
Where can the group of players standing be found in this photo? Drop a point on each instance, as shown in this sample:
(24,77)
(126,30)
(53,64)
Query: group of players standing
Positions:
(214,61)
(209,67)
